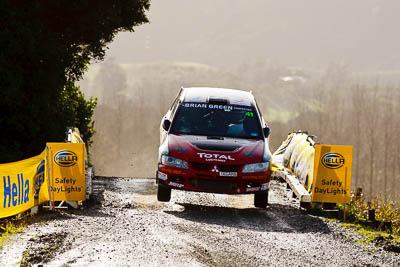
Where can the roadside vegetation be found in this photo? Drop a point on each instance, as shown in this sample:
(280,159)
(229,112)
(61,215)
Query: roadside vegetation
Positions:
(387,214)
(9,227)
(45,49)
(382,230)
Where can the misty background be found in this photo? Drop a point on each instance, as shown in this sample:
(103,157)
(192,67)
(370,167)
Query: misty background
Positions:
(331,68)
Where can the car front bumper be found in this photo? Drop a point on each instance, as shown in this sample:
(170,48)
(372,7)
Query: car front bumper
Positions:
(206,182)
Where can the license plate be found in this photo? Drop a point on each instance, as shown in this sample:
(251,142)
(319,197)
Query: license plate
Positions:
(228,174)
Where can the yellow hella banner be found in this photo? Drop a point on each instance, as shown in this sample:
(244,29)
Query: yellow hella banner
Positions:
(332,174)
(67,171)
(23,185)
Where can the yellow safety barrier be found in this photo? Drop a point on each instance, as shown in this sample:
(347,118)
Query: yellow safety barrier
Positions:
(66,171)
(297,139)
(304,168)
(74,136)
(332,174)
(57,174)
(298,147)
(323,170)
(23,186)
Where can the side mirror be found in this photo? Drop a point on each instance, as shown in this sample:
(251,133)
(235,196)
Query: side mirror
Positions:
(267,131)
(166,124)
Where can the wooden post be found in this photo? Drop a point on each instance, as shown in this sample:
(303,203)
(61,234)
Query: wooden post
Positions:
(371,215)
(51,203)
(344,212)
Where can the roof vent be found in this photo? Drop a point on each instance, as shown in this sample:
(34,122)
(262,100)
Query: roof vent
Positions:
(217,100)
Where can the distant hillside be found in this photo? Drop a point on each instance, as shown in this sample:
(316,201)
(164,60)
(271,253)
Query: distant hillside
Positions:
(162,81)
(280,91)
(335,105)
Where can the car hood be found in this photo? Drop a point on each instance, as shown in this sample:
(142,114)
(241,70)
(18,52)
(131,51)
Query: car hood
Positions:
(225,150)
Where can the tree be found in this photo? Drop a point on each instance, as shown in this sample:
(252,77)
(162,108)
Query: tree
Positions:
(45,46)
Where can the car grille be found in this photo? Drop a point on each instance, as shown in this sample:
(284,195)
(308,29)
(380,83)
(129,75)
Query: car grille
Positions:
(213,185)
(200,166)
(204,175)
(229,168)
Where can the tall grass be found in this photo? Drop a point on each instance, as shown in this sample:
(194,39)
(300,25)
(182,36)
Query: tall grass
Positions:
(357,211)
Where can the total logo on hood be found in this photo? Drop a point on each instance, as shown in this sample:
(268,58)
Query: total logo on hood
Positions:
(214,157)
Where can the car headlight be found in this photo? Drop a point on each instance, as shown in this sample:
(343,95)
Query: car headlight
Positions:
(174,162)
(256,167)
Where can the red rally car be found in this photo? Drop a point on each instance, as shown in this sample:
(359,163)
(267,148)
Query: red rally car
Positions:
(214,140)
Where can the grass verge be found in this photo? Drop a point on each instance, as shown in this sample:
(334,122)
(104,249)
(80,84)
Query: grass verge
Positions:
(9,227)
(386,213)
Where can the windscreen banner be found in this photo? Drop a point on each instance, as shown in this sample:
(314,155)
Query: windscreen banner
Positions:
(23,185)
(67,171)
(332,174)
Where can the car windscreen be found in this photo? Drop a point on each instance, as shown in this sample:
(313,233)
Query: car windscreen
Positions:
(217,120)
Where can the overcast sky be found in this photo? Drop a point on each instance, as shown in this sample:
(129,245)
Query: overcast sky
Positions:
(301,33)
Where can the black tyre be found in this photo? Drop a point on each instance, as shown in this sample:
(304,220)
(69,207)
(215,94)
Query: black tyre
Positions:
(163,193)
(305,205)
(261,199)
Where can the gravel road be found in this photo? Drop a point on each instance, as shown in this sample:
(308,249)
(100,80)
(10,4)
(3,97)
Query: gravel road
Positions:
(125,225)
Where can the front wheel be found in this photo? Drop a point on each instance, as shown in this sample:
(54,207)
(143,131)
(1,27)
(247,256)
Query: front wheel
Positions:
(163,193)
(261,199)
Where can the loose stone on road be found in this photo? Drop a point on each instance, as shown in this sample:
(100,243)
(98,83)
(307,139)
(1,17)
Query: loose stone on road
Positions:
(125,225)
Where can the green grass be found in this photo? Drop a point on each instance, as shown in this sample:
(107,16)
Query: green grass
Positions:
(357,213)
(9,228)
(357,210)
(369,233)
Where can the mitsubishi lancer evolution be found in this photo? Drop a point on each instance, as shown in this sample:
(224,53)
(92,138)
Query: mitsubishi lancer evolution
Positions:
(214,140)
